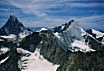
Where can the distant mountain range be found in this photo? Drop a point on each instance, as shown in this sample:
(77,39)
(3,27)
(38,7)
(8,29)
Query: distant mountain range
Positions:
(37,29)
(67,47)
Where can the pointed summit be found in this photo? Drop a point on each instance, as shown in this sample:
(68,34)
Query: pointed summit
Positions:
(63,27)
(13,18)
(12,26)
(67,25)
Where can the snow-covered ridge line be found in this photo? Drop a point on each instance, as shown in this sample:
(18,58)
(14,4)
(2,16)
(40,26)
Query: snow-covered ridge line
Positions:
(81,46)
(74,38)
(42,29)
(98,33)
(11,36)
(94,39)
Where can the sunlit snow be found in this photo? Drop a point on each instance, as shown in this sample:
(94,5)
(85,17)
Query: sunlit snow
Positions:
(43,29)
(81,46)
(36,62)
(2,61)
(4,50)
(11,36)
(98,34)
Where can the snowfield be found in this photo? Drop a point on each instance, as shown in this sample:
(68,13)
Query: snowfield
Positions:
(98,34)
(4,50)
(81,46)
(43,29)
(11,36)
(36,62)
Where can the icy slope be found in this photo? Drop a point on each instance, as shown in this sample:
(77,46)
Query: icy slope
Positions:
(99,36)
(13,37)
(98,33)
(80,46)
(74,38)
(36,62)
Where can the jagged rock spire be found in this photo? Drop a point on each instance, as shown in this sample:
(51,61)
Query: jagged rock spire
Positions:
(67,25)
(63,27)
(13,18)
(12,26)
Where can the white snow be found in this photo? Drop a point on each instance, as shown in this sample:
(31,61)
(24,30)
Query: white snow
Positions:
(81,46)
(2,61)
(37,62)
(41,42)
(62,27)
(22,35)
(22,51)
(1,40)
(42,29)
(4,50)
(98,34)
(102,41)
(25,33)
(11,36)
(83,32)
(74,39)
(57,35)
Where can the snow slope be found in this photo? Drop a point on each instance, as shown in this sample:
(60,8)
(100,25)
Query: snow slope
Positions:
(43,29)
(36,62)
(73,39)
(81,46)
(11,36)
(98,34)
(2,61)
(3,50)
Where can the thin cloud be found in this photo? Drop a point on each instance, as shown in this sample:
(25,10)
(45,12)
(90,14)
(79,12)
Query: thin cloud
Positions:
(86,5)
(28,8)
(91,18)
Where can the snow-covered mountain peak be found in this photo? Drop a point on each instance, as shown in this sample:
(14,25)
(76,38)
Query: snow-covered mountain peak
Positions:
(13,26)
(73,37)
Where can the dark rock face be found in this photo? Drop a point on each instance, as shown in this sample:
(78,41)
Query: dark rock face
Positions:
(90,32)
(11,64)
(83,62)
(30,42)
(78,61)
(12,26)
(50,48)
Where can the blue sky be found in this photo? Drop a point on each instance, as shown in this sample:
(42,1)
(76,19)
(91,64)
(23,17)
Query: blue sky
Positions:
(50,13)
